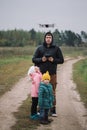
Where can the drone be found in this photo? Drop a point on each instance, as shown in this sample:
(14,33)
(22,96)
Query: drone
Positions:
(47,25)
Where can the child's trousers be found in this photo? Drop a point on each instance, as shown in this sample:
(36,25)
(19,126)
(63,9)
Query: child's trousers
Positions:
(44,114)
(34,105)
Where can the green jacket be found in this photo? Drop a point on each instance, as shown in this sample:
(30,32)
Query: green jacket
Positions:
(45,96)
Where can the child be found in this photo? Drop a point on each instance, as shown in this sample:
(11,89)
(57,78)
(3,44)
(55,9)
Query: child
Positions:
(45,98)
(35,75)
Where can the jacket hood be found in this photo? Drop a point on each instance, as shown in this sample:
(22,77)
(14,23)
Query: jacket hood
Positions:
(48,33)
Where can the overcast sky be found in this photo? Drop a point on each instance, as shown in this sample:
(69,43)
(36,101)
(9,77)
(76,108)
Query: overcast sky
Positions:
(27,14)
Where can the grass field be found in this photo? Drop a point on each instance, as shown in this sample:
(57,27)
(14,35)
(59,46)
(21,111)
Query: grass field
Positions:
(16,51)
(80,78)
(23,120)
(74,51)
(11,70)
(14,63)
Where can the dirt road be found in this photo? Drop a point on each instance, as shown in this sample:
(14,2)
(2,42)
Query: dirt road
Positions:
(71,112)
(11,101)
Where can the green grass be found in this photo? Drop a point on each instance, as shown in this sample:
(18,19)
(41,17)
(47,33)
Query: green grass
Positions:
(74,51)
(80,78)
(14,64)
(11,70)
(29,50)
(16,51)
(13,59)
(23,120)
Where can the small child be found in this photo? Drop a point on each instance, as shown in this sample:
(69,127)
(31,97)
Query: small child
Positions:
(35,76)
(45,98)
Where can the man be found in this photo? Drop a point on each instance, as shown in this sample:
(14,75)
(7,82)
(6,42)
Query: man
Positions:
(46,57)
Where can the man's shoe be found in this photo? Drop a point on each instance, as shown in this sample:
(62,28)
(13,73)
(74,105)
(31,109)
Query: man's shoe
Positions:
(54,115)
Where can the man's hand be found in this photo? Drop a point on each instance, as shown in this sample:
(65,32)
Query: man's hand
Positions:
(50,59)
(44,59)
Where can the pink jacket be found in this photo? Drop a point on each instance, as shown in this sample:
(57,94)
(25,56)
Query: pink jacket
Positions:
(36,78)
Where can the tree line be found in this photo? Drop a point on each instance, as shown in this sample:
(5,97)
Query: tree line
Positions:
(14,38)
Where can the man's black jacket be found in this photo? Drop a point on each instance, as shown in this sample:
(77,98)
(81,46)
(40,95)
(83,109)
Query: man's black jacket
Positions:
(53,51)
